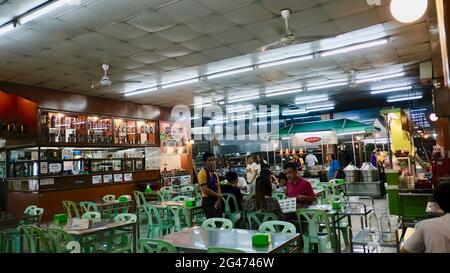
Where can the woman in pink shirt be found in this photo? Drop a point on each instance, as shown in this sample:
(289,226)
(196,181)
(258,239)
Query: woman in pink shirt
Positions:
(297,186)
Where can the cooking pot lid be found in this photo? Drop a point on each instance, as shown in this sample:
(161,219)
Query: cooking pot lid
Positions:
(367,166)
(351,167)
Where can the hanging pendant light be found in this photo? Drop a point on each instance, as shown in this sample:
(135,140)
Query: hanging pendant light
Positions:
(281,151)
(293,152)
(408,11)
(287,152)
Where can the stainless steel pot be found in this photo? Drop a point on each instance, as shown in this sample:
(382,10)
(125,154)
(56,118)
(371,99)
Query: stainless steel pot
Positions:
(369,173)
(351,173)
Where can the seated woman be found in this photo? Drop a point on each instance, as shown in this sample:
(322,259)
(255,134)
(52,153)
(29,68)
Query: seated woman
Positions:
(263,200)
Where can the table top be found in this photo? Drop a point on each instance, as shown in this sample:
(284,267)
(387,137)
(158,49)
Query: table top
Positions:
(95,226)
(102,203)
(164,204)
(433,209)
(200,239)
(363,237)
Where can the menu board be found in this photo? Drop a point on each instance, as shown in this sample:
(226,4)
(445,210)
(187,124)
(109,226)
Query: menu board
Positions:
(152,158)
(173,136)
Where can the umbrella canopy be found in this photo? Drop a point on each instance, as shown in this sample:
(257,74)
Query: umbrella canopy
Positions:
(338,125)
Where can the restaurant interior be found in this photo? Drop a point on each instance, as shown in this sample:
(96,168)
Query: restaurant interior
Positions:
(152,126)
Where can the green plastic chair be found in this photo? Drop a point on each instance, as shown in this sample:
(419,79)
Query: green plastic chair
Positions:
(156,246)
(109,198)
(180,217)
(277,226)
(313,222)
(125,209)
(33,211)
(163,195)
(90,215)
(87,206)
(256,218)
(233,216)
(58,239)
(187,188)
(139,198)
(30,210)
(279,196)
(124,243)
(156,226)
(35,239)
(181,198)
(197,192)
(167,189)
(224,250)
(212,223)
(71,209)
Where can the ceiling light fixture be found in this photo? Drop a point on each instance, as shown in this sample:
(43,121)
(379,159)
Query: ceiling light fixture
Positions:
(351,48)
(326,86)
(138,92)
(313,107)
(312,99)
(189,81)
(433,117)
(286,61)
(397,99)
(389,90)
(42,11)
(280,93)
(234,100)
(380,78)
(408,11)
(229,72)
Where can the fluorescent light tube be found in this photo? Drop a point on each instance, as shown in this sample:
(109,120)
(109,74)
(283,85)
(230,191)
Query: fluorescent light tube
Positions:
(6,29)
(312,107)
(41,11)
(169,85)
(294,112)
(404,98)
(307,100)
(134,93)
(382,91)
(321,109)
(234,100)
(229,73)
(325,86)
(353,48)
(380,78)
(286,61)
(280,93)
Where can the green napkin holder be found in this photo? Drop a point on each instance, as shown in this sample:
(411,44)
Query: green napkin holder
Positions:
(261,239)
(340,181)
(148,190)
(190,203)
(123,199)
(336,205)
(60,218)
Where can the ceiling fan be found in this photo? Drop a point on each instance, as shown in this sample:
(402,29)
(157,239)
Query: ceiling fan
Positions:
(105,81)
(288,37)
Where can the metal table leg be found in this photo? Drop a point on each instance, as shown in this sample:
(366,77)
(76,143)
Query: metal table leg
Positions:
(134,239)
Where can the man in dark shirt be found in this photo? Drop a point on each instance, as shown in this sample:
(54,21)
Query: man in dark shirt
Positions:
(232,188)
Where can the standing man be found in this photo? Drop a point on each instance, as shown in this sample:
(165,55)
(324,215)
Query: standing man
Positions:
(311,160)
(210,187)
(297,186)
(334,167)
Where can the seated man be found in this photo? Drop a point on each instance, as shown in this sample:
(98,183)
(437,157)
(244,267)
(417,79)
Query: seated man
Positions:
(433,235)
(232,187)
(297,186)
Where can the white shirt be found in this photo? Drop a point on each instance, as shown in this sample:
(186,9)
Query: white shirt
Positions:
(252,169)
(311,160)
(430,236)
(241,182)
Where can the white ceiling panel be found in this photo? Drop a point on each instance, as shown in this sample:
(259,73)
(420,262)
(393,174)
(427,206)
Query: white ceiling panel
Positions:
(212,24)
(179,34)
(122,31)
(152,22)
(249,14)
(185,11)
